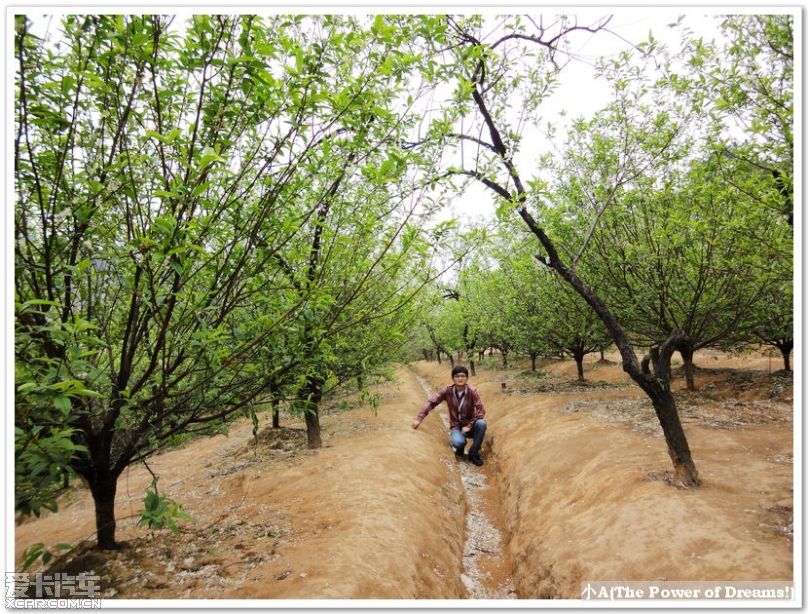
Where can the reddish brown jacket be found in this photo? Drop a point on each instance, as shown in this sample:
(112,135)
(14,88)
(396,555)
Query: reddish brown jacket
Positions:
(471,408)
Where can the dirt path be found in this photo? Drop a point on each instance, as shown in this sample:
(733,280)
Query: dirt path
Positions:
(486,560)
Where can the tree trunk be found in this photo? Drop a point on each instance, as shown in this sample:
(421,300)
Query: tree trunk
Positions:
(678,449)
(312,395)
(533,356)
(579,362)
(103,490)
(785,348)
(276,414)
(438,353)
(687,358)
(472,370)
(313,428)
(451,359)
(504,359)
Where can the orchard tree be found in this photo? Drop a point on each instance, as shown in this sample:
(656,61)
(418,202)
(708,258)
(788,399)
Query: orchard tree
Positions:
(163,177)
(545,316)
(567,324)
(773,321)
(493,314)
(490,72)
(676,245)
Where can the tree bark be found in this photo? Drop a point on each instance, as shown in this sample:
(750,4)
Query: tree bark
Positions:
(276,414)
(533,356)
(504,359)
(687,358)
(472,370)
(103,490)
(785,348)
(678,449)
(313,428)
(312,394)
(579,362)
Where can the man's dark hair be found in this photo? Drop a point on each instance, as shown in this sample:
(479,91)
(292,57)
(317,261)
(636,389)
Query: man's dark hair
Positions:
(460,369)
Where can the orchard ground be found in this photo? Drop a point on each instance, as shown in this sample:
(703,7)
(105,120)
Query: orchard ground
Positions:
(579,473)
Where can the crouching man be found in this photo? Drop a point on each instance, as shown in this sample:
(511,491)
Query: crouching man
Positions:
(466,415)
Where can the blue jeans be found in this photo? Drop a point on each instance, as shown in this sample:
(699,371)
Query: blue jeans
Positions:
(476,434)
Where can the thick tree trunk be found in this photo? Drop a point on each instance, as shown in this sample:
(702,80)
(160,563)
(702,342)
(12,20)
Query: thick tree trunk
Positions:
(785,349)
(504,359)
(533,356)
(579,362)
(687,358)
(313,428)
(312,394)
(103,490)
(276,414)
(472,370)
(678,449)
(439,361)
(451,359)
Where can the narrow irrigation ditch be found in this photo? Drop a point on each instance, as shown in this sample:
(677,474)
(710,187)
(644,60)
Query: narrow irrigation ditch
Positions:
(487,570)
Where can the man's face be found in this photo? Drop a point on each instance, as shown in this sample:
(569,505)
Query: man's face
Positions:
(460,380)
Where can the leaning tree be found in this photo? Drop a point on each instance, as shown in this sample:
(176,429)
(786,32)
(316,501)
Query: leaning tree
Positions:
(490,71)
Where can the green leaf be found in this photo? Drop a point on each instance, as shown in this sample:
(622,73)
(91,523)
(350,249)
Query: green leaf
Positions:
(62,403)
(208,157)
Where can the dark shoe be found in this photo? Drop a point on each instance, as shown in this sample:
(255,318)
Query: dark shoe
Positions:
(459,455)
(476,460)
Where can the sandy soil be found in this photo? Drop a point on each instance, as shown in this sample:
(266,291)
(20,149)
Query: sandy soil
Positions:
(373,514)
(585,491)
(578,488)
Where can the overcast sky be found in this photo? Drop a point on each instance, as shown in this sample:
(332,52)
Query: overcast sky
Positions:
(580,94)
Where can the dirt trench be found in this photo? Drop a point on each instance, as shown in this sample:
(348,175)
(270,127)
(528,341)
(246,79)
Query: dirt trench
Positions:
(487,567)
(581,475)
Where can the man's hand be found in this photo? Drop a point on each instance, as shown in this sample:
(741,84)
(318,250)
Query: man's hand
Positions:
(416,423)
(467,428)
